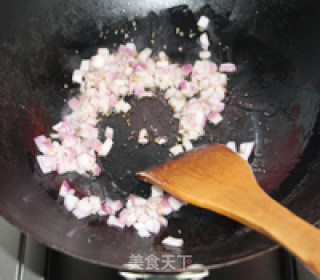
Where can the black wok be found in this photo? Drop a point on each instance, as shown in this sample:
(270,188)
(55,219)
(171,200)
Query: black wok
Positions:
(273,100)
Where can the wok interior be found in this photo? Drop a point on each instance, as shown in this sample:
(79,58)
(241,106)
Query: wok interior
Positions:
(272,100)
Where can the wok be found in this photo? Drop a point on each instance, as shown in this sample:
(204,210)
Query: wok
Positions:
(273,100)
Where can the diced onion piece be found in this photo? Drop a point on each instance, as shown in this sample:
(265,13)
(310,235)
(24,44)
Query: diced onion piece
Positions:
(106,147)
(162,56)
(103,51)
(86,161)
(205,55)
(187,144)
(204,41)
(132,47)
(85,65)
(203,22)
(139,89)
(109,132)
(215,118)
(162,64)
(143,136)
(140,226)
(143,233)
(83,208)
(227,67)
(43,144)
(176,150)
(98,61)
(138,201)
(77,76)
(165,208)
(175,203)
(114,221)
(246,149)
(70,201)
(156,191)
(112,207)
(95,203)
(64,189)
(172,241)
(187,69)
(102,211)
(131,219)
(144,55)
(163,221)
(232,146)
(74,103)
(153,225)
(122,106)
(47,163)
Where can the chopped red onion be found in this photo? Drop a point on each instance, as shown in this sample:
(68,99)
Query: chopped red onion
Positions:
(47,164)
(103,211)
(187,69)
(112,207)
(109,132)
(70,201)
(43,144)
(245,149)
(153,226)
(64,189)
(83,208)
(106,147)
(114,221)
(95,203)
(204,41)
(86,161)
(215,118)
(195,92)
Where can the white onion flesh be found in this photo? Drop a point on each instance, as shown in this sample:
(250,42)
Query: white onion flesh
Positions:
(107,78)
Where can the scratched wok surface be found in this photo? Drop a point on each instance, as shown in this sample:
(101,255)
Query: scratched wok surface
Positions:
(273,99)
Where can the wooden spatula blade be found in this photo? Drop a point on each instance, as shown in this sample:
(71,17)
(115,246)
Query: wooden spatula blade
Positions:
(216,178)
(203,176)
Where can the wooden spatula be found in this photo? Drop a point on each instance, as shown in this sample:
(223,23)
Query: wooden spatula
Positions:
(216,178)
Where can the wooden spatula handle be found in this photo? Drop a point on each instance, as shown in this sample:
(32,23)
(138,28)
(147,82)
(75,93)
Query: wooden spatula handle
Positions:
(280,224)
